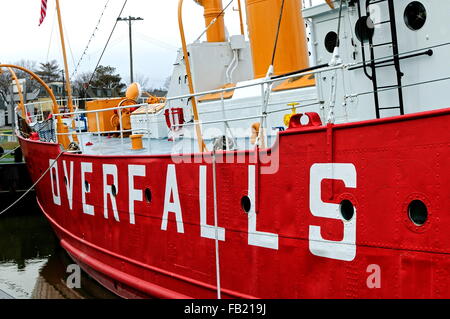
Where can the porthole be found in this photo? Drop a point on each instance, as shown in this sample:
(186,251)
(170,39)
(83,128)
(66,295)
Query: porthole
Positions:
(114,190)
(415,15)
(364,29)
(86,186)
(246,204)
(330,41)
(148,195)
(65,180)
(418,212)
(347,209)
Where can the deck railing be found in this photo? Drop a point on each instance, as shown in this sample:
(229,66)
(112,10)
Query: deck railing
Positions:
(76,116)
(261,112)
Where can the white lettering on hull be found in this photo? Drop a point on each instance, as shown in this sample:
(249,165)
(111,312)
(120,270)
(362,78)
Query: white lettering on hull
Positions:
(340,250)
(175,206)
(257,238)
(207,231)
(68,178)
(110,170)
(86,188)
(134,195)
(54,180)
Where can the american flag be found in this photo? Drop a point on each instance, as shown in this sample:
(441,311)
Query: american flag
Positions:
(43,11)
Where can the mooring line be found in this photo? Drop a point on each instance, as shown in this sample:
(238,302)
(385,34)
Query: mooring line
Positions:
(34,185)
(9,153)
(219,292)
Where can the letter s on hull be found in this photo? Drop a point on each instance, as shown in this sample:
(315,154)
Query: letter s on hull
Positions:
(340,250)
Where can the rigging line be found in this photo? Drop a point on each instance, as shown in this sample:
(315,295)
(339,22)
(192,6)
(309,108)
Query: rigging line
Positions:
(339,24)
(213,21)
(90,40)
(51,36)
(68,42)
(216,240)
(107,42)
(160,43)
(34,185)
(278,34)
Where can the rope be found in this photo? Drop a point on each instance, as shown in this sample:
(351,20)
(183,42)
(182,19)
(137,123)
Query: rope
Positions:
(213,21)
(107,42)
(68,42)
(278,33)
(219,296)
(8,153)
(339,24)
(34,185)
(335,60)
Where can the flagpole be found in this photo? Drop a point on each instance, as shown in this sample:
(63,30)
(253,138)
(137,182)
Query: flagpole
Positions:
(66,67)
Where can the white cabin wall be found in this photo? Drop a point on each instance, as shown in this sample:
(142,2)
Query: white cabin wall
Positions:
(417,69)
(424,68)
(211,60)
(209,63)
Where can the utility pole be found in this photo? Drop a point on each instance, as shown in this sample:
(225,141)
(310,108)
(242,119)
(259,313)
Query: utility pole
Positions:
(129,20)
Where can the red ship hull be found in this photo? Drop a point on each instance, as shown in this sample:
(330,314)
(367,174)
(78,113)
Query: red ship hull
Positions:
(155,247)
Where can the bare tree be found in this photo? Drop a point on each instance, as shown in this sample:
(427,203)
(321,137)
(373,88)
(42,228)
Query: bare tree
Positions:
(143,80)
(6,78)
(80,85)
(167,83)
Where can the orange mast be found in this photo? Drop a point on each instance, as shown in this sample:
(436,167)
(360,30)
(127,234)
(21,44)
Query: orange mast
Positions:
(201,143)
(66,68)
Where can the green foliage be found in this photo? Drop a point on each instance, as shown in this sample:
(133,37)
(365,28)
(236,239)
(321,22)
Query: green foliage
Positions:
(49,72)
(105,77)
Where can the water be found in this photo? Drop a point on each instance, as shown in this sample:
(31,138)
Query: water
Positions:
(33,265)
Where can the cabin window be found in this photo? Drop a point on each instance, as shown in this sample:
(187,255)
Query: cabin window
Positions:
(364,29)
(330,41)
(415,15)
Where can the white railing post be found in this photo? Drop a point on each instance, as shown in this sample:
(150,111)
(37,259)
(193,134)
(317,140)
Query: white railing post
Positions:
(121,128)
(98,131)
(147,119)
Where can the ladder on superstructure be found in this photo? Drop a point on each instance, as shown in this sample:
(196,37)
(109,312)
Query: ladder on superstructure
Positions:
(394,62)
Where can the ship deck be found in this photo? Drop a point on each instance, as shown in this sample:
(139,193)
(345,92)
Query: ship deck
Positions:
(102,145)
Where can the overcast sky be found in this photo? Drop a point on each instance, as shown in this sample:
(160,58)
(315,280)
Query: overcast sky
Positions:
(155,40)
